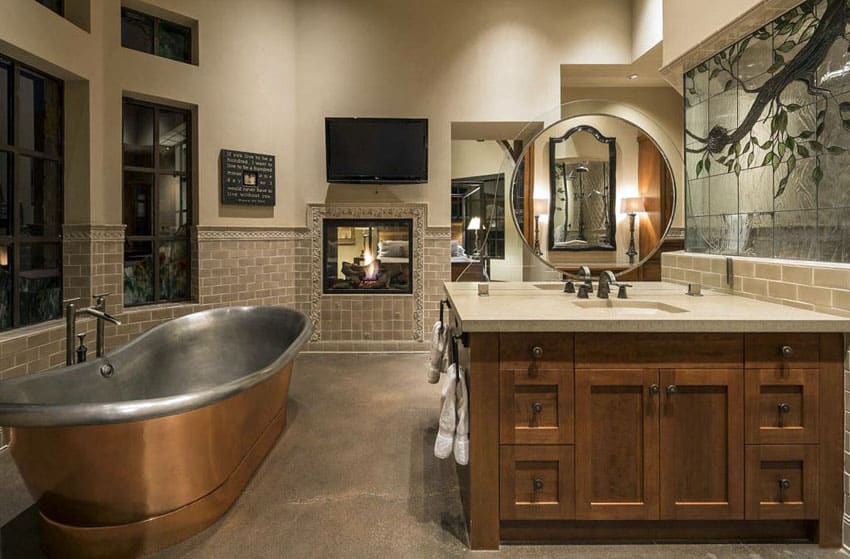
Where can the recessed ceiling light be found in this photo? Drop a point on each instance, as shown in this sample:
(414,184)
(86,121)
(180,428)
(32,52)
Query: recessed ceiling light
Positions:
(633,76)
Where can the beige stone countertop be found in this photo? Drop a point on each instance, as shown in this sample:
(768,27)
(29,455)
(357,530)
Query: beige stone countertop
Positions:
(543,307)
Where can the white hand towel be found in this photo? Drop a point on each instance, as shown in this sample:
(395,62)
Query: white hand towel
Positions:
(448,423)
(439,358)
(462,434)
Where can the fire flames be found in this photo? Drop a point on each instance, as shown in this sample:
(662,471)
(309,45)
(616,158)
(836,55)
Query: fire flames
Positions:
(371,266)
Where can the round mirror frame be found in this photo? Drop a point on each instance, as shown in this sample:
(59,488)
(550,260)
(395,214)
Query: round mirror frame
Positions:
(666,158)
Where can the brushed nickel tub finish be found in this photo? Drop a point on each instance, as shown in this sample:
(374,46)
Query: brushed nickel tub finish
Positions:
(109,488)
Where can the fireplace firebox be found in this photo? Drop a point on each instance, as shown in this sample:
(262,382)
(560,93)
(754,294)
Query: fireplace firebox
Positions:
(368,256)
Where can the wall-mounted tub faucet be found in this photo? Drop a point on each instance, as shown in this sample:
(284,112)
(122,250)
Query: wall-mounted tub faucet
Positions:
(98,311)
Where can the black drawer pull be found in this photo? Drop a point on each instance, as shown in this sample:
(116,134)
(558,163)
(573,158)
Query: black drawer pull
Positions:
(787,352)
(537,352)
(537,407)
(538,484)
(784,483)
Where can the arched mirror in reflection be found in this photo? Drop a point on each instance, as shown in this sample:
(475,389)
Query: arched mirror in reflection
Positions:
(582,183)
(593,190)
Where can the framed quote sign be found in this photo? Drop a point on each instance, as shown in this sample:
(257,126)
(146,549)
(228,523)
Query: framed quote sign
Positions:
(247,178)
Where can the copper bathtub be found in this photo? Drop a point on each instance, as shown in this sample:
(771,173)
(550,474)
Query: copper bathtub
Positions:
(126,464)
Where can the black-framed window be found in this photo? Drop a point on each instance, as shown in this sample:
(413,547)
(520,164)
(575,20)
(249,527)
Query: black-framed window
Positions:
(31,195)
(156,36)
(156,203)
(57,6)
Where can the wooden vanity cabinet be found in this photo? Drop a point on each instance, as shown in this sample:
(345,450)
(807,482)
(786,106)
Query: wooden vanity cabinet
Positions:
(602,437)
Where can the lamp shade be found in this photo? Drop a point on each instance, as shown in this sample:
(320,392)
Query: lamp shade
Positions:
(474,224)
(541,206)
(632,205)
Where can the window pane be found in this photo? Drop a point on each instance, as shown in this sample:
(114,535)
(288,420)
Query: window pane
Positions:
(138,135)
(5,102)
(173,211)
(38,197)
(138,272)
(175,41)
(173,140)
(55,5)
(138,203)
(136,31)
(173,270)
(5,190)
(40,280)
(5,287)
(39,114)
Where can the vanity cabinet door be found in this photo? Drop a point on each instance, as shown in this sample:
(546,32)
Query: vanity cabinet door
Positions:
(702,444)
(617,444)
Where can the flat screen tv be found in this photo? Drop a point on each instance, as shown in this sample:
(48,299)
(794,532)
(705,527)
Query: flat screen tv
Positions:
(377,150)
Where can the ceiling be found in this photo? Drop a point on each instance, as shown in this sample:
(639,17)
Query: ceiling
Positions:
(617,75)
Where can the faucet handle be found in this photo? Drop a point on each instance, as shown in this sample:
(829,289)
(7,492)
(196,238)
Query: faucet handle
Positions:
(69,301)
(621,293)
(569,287)
(101,295)
(583,291)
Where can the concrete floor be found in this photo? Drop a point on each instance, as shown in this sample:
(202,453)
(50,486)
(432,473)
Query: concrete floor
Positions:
(354,476)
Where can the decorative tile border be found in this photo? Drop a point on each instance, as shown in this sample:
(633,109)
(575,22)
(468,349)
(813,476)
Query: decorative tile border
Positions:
(317,213)
(208,233)
(93,232)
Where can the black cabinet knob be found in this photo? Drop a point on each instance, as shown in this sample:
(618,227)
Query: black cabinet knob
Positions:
(654,389)
(784,408)
(672,389)
(787,352)
(538,484)
(537,352)
(537,407)
(784,483)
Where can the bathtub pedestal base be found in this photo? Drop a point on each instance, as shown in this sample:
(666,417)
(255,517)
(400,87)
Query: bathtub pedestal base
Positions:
(153,534)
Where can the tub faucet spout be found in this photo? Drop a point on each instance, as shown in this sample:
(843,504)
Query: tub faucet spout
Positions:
(98,312)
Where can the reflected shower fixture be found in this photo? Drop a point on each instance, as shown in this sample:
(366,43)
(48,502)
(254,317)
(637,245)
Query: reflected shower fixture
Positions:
(537,250)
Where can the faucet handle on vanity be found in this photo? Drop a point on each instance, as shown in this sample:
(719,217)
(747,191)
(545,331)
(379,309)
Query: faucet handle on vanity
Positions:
(583,291)
(621,292)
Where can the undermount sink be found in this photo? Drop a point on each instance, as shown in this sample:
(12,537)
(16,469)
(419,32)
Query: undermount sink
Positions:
(630,307)
(550,286)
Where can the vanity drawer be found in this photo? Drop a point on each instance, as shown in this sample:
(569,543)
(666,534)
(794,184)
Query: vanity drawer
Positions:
(782,406)
(535,351)
(536,483)
(781,351)
(536,407)
(782,482)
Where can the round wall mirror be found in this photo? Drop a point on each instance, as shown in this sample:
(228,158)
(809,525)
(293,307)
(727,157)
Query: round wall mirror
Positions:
(593,190)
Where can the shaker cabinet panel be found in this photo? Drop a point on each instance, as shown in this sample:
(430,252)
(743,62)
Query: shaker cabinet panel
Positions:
(702,444)
(617,444)
(782,406)
(536,407)
(537,482)
(782,482)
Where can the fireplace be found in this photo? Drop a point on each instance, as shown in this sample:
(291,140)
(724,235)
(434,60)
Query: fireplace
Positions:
(368,256)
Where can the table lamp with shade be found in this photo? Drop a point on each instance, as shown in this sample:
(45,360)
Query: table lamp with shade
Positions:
(541,210)
(632,206)
(475,225)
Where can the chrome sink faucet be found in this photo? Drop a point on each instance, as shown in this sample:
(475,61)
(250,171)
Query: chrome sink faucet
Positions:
(97,311)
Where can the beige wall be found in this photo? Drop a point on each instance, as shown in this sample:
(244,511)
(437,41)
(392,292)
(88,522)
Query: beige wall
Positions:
(689,22)
(260,60)
(647,25)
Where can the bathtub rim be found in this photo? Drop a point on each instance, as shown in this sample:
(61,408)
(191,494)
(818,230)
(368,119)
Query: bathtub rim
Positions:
(14,415)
